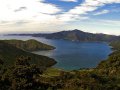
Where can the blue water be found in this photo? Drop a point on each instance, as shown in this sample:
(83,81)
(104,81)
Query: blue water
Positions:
(73,55)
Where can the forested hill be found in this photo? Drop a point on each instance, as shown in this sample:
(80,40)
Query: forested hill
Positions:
(29,45)
(111,66)
(9,52)
(75,35)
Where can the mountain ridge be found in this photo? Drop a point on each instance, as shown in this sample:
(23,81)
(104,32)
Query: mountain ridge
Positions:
(75,35)
(29,45)
(78,35)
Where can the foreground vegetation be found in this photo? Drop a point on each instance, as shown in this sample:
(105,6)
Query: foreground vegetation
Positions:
(23,75)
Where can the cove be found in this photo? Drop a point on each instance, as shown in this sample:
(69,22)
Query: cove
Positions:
(72,55)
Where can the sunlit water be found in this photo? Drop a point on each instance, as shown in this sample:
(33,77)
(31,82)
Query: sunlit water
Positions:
(72,55)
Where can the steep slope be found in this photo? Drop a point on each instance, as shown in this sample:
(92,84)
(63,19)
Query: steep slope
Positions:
(29,45)
(111,66)
(8,53)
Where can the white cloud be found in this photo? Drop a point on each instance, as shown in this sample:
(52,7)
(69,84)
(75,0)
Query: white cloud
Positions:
(37,10)
(71,17)
(30,15)
(102,12)
(12,10)
(86,7)
(69,0)
(27,15)
(110,22)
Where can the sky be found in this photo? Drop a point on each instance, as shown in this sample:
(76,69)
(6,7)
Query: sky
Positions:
(32,16)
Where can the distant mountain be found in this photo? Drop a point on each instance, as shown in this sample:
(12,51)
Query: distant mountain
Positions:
(77,35)
(9,53)
(29,45)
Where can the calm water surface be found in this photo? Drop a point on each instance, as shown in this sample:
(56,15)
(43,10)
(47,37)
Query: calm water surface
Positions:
(72,55)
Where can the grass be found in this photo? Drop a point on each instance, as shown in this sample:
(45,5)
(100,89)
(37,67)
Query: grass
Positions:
(51,72)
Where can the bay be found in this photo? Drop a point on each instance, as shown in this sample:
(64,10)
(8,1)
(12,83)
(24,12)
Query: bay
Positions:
(72,55)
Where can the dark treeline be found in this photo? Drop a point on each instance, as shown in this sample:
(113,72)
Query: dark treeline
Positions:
(21,76)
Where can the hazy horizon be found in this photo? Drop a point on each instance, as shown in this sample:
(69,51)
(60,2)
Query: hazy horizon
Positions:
(32,16)
(48,32)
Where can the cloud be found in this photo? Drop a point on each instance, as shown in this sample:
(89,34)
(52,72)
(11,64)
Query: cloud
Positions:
(36,15)
(102,12)
(27,15)
(71,17)
(69,0)
(110,22)
(38,10)
(86,7)
(20,9)
(13,10)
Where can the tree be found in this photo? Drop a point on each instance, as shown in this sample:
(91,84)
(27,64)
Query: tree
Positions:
(23,75)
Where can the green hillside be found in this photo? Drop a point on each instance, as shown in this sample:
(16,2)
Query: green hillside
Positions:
(9,53)
(29,45)
(111,66)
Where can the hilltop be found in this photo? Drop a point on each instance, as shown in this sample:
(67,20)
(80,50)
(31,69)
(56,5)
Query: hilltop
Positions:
(29,45)
(78,35)
(75,35)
